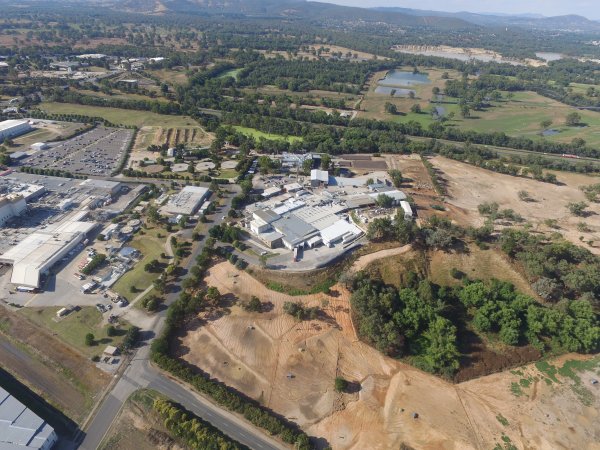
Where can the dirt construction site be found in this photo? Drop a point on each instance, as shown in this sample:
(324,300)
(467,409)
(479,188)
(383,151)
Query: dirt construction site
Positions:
(469,186)
(290,367)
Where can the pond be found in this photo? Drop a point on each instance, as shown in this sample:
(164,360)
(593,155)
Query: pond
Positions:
(401,78)
(399,92)
(550,132)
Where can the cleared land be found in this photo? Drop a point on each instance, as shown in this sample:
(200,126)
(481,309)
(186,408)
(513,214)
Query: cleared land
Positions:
(51,368)
(469,186)
(255,353)
(120,116)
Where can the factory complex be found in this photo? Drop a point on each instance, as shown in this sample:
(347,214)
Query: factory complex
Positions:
(320,210)
(46,219)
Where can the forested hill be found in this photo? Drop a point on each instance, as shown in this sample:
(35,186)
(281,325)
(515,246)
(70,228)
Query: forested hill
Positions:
(567,23)
(293,9)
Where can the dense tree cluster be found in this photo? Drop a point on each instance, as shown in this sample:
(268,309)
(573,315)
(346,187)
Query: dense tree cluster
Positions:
(575,270)
(194,431)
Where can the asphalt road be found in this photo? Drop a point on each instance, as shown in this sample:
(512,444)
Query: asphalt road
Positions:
(141,374)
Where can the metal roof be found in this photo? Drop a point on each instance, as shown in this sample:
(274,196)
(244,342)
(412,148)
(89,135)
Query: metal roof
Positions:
(21,428)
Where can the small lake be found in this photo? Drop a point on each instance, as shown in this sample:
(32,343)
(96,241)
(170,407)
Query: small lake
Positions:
(549,56)
(550,132)
(396,78)
(399,92)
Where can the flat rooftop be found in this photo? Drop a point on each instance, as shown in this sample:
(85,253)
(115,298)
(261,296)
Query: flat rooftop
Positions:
(39,250)
(7,124)
(21,428)
(186,201)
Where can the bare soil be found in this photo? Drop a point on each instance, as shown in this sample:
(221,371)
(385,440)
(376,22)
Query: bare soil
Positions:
(290,366)
(469,186)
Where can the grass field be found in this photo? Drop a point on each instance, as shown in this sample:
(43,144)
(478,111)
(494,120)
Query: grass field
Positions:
(522,115)
(151,246)
(170,76)
(518,116)
(72,328)
(120,116)
(256,134)
(231,73)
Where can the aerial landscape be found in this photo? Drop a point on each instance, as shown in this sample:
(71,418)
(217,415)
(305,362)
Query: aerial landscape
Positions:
(286,224)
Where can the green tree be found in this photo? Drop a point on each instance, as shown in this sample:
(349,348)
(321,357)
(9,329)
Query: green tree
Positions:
(441,353)
(340,384)
(89,339)
(396,177)
(573,119)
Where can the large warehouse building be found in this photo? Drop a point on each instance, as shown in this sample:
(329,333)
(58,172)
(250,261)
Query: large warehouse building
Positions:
(21,428)
(186,202)
(37,253)
(13,128)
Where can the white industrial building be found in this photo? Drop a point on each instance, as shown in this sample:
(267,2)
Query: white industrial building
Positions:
(408,212)
(21,428)
(39,146)
(342,230)
(319,178)
(11,205)
(186,202)
(12,128)
(38,252)
(102,186)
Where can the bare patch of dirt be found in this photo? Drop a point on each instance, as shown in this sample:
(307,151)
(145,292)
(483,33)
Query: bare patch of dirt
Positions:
(469,186)
(290,367)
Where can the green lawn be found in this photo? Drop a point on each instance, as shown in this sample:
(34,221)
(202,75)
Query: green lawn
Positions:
(120,116)
(73,327)
(256,134)
(522,115)
(151,246)
(228,173)
(231,73)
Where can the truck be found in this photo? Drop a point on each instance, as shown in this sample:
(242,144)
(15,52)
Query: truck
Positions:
(26,289)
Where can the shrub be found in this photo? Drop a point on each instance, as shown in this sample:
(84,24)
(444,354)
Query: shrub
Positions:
(89,339)
(340,384)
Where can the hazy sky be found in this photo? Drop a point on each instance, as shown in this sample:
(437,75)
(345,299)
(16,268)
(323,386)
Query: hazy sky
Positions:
(587,8)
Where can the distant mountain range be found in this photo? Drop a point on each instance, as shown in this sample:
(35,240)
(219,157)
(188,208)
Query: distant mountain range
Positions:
(537,21)
(324,12)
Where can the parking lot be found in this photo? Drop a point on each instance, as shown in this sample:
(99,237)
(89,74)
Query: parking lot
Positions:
(97,152)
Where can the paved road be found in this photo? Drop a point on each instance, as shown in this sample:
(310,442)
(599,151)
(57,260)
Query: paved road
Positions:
(140,374)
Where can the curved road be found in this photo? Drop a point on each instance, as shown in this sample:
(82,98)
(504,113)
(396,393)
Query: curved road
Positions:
(141,374)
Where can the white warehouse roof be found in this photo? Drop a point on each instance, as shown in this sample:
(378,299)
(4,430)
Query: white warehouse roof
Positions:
(338,230)
(186,201)
(39,251)
(8,124)
(319,175)
(21,428)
